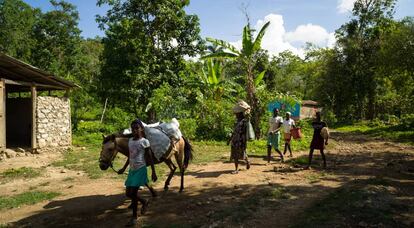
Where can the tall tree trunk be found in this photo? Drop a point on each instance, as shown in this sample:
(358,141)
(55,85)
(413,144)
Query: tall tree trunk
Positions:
(252,100)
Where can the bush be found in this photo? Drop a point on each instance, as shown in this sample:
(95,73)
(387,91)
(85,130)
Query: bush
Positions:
(188,127)
(118,119)
(215,120)
(329,117)
(407,122)
(376,123)
(94,127)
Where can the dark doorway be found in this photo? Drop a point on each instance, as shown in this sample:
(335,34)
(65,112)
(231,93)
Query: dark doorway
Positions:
(18,117)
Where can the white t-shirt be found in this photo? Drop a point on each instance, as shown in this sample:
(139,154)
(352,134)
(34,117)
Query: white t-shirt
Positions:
(274,123)
(287,125)
(137,152)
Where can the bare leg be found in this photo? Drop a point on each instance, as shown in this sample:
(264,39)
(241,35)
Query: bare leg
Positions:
(236,165)
(269,153)
(324,159)
(285,150)
(280,154)
(290,150)
(247,163)
(310,159)
(132,193)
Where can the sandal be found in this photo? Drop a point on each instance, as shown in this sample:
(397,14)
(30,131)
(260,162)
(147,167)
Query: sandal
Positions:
(235,172)
(248,165)
(144,207)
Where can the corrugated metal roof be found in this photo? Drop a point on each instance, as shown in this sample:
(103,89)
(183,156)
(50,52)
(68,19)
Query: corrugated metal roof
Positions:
(16,70)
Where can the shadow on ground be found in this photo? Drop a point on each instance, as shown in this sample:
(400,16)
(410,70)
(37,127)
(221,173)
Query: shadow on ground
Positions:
(377,190)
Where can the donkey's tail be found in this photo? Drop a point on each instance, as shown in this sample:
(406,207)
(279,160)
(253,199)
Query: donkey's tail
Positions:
(188,152)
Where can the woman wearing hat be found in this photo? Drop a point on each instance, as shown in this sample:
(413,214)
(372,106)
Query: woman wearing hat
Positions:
(238,138)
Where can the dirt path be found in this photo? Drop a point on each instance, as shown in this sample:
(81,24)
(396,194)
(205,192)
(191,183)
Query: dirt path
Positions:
(264,196)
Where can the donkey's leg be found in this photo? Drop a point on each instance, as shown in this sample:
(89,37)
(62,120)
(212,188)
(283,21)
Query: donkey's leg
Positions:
(179,157)
(172,171)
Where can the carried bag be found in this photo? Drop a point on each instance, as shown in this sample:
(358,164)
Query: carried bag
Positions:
(296,133)
(250,131)
(325,133)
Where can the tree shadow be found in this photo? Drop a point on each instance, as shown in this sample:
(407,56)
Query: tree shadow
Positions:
(260,205)
(84,211)
(207,174)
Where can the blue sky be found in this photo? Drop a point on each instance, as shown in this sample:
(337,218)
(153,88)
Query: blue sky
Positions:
(295,22)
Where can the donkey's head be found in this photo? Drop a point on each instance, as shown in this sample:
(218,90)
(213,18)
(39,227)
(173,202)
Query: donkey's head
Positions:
(108,151)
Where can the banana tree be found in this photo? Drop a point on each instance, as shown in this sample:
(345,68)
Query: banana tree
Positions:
(250,47)
(214,81)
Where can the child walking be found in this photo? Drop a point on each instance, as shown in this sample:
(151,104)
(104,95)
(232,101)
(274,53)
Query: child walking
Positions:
(137,175)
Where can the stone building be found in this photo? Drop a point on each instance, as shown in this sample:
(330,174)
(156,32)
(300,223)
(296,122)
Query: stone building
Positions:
(34,107)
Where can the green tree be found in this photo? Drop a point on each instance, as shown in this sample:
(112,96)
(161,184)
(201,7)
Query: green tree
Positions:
(85,73)
(144,47)
(359,41)
(247,55)
(57,39)
(17,20)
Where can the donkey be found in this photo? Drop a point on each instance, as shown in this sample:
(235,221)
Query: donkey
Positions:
(182,151)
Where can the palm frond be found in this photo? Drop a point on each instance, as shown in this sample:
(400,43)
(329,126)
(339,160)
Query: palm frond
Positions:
(218,55)
(223,44)
(247,41)
(258,42)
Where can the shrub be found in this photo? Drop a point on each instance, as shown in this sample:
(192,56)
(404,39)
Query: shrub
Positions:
(329,117)
(118,119)
(215,120)
(407,122)
(188,127)
(87,127)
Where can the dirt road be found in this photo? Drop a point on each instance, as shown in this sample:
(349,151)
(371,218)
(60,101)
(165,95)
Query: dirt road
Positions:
(275,195)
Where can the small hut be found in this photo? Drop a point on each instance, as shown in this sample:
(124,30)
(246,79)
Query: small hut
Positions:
(30,117)
(308,109)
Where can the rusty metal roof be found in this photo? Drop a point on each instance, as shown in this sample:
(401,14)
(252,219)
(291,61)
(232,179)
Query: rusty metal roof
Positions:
(309,102)
(19,71)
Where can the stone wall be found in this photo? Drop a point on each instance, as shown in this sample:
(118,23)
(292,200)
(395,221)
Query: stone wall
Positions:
(53,127)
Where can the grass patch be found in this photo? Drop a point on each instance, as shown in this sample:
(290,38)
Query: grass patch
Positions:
(394,132)
(26,198)
(20,173)
(299,161)
(209,151)
(82,160)
(365,200)
(279,193)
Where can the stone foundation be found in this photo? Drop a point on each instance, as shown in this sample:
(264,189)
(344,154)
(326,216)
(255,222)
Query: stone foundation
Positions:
(53,126)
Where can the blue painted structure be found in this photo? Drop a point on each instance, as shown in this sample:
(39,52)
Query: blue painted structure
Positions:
(295,110)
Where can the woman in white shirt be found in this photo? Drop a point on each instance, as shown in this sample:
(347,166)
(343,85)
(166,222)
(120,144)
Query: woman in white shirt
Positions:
(287,125)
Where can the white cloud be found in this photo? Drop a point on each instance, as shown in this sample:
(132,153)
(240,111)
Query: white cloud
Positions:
(308,33)
(277,39)
(345,6)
